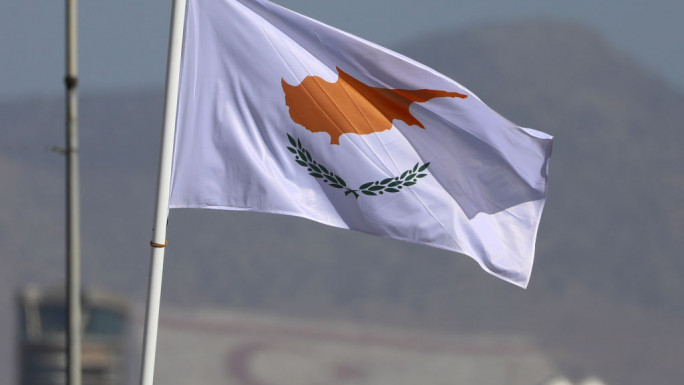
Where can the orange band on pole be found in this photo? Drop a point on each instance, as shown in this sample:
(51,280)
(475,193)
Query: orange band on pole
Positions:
(159,245)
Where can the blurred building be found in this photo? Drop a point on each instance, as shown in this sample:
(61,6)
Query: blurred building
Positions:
(559,380)
(237,348)
(592,380)
(42,338)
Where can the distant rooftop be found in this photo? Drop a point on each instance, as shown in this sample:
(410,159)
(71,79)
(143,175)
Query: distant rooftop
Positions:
(219,347)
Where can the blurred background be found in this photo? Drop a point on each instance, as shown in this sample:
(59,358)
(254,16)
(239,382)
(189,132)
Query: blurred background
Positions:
(252,299)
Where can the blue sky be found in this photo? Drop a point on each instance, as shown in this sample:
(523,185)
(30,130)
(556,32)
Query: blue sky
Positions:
(123,43)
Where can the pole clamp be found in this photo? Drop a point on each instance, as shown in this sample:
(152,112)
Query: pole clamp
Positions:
(70,81)
(159,245)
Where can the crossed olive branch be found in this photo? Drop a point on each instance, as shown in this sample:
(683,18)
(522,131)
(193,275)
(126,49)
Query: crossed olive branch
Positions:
(389,185)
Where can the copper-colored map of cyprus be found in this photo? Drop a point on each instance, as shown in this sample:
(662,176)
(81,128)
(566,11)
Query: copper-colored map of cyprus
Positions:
(349,106)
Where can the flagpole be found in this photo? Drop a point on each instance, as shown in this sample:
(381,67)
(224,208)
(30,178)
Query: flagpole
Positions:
(158,242)
(73,232)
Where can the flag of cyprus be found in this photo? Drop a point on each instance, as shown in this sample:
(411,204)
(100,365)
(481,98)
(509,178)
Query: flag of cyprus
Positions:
(282,114)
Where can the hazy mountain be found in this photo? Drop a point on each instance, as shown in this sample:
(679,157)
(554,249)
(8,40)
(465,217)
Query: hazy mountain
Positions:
(616,177)
(605,295)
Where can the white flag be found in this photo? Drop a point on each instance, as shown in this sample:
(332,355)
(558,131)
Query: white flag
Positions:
(282,114)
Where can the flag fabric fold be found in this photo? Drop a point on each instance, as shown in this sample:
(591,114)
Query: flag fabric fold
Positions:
(280,113)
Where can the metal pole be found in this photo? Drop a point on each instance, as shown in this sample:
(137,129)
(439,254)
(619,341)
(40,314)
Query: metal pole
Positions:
(73,233)
(163,185)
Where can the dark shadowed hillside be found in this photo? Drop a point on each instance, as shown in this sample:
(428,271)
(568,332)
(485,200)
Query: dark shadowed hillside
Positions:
(605,295)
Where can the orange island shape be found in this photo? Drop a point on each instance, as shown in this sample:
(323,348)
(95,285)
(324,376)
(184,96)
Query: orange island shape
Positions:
(349,106)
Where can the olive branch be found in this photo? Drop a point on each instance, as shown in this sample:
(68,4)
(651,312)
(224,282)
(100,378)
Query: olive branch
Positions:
(388,185)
